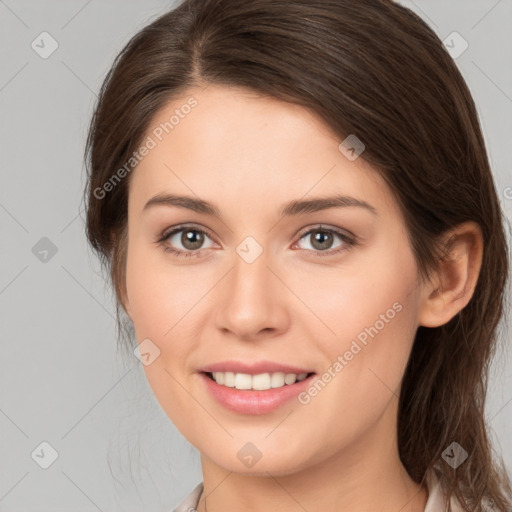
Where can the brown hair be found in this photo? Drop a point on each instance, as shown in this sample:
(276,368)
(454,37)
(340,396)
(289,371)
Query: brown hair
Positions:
(371,68)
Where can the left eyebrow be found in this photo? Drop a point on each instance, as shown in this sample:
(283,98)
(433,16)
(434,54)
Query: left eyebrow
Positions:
(292,208)
(323,203)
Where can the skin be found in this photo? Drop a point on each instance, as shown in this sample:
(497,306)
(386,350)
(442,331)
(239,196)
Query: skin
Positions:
(248,155)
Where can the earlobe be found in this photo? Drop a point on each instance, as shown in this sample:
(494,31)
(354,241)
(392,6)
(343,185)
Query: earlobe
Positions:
(456,278)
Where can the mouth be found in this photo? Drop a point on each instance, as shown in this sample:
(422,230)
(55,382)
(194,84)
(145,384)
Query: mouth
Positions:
(254,394)
(258,382)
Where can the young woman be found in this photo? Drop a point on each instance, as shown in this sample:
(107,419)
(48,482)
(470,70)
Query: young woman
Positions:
(295,205)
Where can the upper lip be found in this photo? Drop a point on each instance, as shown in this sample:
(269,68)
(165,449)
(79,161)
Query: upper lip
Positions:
(253,368)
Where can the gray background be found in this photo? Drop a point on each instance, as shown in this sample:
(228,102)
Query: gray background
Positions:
(61,379)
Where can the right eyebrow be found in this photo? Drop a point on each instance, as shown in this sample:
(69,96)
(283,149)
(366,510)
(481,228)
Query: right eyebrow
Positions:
(190,203)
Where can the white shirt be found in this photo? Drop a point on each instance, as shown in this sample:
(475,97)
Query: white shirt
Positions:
(435,502)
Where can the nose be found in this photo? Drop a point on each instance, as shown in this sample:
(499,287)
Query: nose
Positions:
(252,301)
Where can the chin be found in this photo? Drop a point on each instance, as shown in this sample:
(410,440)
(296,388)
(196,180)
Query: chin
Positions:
(275,463)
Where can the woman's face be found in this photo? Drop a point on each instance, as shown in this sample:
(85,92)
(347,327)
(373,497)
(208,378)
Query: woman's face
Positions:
(262,292)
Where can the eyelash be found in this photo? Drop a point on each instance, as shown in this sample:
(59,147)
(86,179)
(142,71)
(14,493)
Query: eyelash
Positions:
(349,241)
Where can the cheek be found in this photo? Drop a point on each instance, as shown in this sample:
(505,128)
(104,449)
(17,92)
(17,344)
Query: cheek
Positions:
(155,302)
(368,313)
(158,294)
(364,297)
(159,299)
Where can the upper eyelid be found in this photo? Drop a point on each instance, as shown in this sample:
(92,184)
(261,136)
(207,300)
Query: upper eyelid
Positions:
(324,227)
(176,229)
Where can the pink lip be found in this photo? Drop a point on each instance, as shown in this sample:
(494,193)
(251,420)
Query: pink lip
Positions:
(245,401)
(253,368)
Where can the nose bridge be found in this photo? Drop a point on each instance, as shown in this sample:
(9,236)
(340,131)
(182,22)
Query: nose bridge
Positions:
(250,272)
(251,301)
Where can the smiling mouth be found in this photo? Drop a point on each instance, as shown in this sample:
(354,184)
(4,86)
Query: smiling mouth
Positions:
(259,382)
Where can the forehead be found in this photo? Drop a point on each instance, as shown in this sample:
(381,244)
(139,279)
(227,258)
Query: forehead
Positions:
(240,144)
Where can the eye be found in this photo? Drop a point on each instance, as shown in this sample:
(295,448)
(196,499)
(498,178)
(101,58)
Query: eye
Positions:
(184,241)
(322,240)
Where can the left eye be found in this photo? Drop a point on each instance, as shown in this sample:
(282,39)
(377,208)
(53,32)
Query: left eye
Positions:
(322,239)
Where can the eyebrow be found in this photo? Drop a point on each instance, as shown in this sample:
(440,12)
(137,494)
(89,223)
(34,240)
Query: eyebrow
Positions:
(292,208)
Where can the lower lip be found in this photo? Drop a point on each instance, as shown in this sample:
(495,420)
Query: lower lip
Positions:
(246,401)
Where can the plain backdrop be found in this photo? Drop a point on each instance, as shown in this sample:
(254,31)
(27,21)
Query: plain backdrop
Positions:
(67,401)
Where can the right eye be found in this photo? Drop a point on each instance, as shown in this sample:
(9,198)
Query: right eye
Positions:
(190,238)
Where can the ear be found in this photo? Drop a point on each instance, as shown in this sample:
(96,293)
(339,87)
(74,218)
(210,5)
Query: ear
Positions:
(455,280)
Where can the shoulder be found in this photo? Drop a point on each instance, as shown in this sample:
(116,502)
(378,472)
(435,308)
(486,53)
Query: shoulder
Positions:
(189,504)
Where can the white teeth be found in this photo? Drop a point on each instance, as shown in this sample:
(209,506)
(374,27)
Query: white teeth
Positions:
(229,379)
(243,381)
(260,382)
(290,378)
(277,380)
